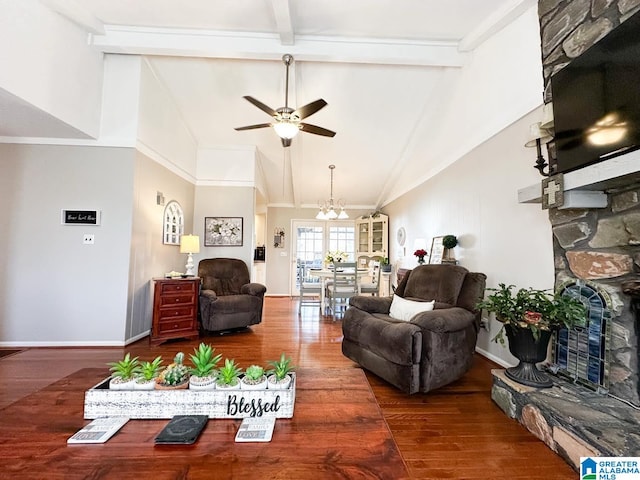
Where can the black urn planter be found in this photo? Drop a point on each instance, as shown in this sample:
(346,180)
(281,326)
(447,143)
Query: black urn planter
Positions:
(524,347)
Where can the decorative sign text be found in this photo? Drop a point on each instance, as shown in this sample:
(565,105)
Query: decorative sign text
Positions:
(80,217)
(254,407)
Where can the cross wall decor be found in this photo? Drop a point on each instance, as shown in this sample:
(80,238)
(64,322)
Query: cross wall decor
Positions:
(553,192)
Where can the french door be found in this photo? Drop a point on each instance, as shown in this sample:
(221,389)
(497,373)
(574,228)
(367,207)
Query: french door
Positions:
(313,238)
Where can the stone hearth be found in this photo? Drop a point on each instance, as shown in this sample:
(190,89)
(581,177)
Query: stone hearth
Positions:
(570,419)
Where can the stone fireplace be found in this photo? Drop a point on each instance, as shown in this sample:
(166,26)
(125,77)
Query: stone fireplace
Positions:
(594,407)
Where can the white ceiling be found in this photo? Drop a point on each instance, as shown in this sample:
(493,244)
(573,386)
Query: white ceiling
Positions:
(377,63)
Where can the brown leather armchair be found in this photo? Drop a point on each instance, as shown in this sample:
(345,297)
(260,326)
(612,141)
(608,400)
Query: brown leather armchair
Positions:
(228,299)
(434,347)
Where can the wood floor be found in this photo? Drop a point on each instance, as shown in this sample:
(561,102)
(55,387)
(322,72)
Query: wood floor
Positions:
(455,432)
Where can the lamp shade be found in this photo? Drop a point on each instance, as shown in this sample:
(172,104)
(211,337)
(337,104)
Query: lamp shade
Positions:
(536,132)
(286,129)
(189,244)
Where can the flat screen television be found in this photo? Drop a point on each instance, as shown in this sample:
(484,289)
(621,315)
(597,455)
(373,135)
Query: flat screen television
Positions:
(596,100)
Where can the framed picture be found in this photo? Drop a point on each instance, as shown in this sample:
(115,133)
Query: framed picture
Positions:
(223,231)
(437,249)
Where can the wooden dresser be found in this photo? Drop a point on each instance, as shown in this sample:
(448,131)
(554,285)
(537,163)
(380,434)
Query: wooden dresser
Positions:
(175,309)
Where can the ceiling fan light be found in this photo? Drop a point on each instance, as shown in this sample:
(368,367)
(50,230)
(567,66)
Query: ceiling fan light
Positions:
(286,129)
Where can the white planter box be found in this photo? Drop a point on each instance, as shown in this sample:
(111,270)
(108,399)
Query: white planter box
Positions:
(99,401)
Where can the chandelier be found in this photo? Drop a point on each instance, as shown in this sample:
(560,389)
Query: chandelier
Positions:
(328,208)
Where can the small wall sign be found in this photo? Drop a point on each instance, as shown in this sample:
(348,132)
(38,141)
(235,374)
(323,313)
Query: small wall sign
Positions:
(81,217)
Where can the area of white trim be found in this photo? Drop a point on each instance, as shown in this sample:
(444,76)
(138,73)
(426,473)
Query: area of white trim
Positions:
(267,46)
(284,24)
(493,358)
(495,22)
(101,142)
(593,177)
(146,333)
(68,343)
(225,183)
(165,162)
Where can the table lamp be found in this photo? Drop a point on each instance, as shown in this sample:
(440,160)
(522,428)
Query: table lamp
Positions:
(190,244)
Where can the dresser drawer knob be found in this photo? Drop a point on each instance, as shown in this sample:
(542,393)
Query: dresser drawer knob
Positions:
(177,299)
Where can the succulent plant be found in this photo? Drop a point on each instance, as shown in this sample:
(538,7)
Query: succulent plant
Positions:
(176,373)
(254,373)
(203,360)
(282,367)
(149,370)
(126,368)
(229,373)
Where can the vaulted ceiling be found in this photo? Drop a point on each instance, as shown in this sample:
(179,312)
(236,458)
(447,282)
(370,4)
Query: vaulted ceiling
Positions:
(383,67)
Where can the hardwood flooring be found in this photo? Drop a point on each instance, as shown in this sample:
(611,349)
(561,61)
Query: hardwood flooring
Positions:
(454,432)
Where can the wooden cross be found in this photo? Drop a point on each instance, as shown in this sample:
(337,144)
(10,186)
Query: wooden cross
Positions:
(553,192)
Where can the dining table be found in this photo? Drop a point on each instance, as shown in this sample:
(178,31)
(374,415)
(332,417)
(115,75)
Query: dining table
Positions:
(326,274)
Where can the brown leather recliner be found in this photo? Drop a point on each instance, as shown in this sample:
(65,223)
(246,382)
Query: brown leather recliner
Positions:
(430,350)
(228,299)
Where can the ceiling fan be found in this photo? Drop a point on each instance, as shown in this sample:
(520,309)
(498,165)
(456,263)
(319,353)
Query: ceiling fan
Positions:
(287,121)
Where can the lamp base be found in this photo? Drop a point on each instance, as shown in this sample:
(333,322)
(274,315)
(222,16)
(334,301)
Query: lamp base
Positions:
(189,266)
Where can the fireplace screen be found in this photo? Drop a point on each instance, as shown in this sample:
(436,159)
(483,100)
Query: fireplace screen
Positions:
(582,353)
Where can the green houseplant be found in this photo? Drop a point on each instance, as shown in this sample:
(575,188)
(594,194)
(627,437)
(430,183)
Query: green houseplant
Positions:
(146,374)
(123,373)
(175,376)
(254,378)
(203,372)
(529,317)
(229,375)
(385,266)
(280,376)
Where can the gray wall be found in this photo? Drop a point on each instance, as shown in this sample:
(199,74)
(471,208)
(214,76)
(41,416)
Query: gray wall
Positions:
(225,202)
(476,200)
(54,289)
(149,256)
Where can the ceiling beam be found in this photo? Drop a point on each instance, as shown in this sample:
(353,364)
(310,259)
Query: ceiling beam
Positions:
(73,11)
(263,46)
(284,24)
(495,22)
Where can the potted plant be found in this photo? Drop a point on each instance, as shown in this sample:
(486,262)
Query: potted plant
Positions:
(335,256)
(175,376)
(123,373)
(229,376)
(279,378)
(449,242)
(385,266)
(147,373)
(203,372)
(529,317)
(254,378)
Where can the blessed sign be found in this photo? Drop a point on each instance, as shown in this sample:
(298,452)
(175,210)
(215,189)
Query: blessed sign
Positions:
(81,217)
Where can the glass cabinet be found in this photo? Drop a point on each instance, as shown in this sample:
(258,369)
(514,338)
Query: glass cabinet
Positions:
(373,235)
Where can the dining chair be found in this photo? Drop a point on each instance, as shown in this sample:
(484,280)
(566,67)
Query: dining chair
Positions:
(344,286)
(372,285)
(310,288)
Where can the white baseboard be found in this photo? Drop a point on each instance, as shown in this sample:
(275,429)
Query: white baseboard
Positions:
(77,343)
(137,337)
(493,358)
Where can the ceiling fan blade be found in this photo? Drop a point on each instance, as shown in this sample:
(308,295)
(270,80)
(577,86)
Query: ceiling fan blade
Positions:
(261,105)
(251,127)
(305,127)
(286,142)
(310,108)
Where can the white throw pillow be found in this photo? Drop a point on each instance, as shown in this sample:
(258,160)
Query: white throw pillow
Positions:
(402,309)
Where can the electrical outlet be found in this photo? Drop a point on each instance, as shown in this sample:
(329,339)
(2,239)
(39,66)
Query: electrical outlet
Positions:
(88,239)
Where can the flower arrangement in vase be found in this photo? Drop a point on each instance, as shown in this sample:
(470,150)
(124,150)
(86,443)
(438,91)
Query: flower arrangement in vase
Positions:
(203,373)
(420,253)
(123,373)
(175,376)
(335,256)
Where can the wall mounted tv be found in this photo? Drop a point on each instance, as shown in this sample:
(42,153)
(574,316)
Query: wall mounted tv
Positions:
(596,100)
